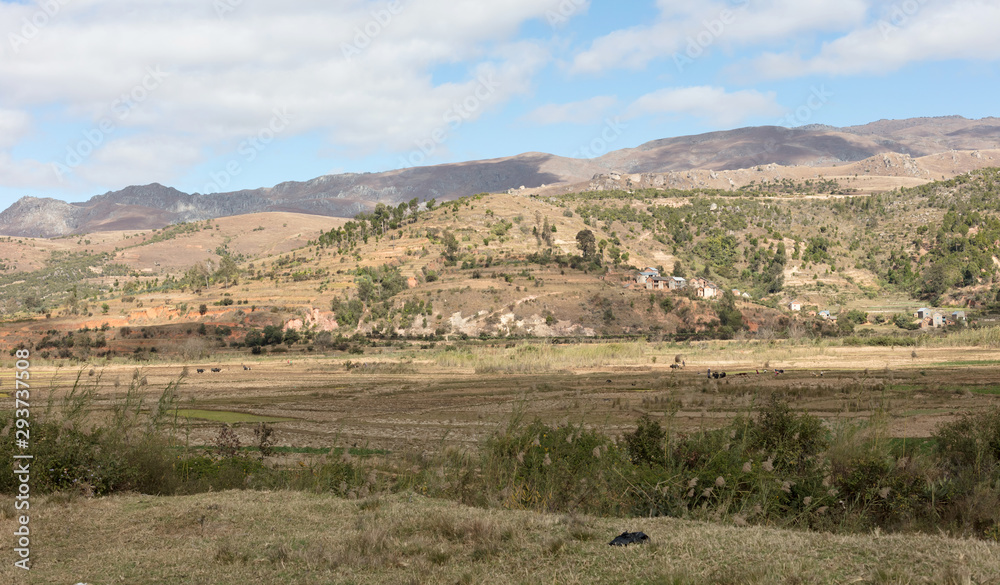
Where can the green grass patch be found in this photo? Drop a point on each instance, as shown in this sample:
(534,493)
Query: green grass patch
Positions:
(228,417)
(971,363)
(907,446)
(988,390)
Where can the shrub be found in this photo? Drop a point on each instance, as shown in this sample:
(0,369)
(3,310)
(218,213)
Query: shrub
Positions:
(645,446)
(972,441)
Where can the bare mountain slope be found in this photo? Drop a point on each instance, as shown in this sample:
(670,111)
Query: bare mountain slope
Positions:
(344,195)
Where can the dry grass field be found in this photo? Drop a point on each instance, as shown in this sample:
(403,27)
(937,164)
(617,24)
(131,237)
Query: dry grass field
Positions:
(262,538)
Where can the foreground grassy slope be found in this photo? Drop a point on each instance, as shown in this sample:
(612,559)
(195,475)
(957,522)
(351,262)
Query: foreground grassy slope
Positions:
(251,538)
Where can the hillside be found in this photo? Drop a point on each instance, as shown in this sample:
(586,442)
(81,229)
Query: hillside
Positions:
(811,148)
(510,265)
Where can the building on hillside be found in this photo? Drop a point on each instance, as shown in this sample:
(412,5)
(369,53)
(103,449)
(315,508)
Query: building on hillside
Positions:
(958,316)
(676,283)
(657,283)
(824,314)
(708,291)
(795,306)
(923,313)
(931,319)
(646,274)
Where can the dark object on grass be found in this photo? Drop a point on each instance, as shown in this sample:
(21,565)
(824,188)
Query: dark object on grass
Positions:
(627,538)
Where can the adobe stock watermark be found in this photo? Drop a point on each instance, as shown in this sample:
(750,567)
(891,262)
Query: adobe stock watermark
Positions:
(453,119)
(249,150)
(121,109)
(818,97)
(366,34)
(601,144)
(563,11)
(226,7)
(899,16)
(711,31)
(31,26)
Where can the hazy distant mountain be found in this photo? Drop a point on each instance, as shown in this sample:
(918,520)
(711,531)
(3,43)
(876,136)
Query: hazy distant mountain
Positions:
(149,206)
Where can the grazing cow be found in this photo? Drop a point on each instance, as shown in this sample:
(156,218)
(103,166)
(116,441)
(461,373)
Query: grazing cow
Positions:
(245,367)
(674,366)
(216,369)
(607,381)
(626,538)
(200,370)
(722,375)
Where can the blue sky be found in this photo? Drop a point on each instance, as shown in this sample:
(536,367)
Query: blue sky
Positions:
(219,95)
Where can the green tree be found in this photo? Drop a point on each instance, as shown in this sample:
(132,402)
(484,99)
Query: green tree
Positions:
(587,244)
(451,246)
(291,337)
(228,271)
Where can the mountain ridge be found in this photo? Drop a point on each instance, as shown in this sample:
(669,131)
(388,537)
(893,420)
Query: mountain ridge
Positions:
(344,195)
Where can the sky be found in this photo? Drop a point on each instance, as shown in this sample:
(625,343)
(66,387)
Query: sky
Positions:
(219,95)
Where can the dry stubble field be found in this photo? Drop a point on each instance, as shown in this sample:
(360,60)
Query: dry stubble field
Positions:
(424,399)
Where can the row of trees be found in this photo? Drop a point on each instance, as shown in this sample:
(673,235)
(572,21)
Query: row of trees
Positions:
(381,220)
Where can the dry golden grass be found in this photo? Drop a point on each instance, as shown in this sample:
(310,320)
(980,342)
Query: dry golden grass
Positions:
(249,538)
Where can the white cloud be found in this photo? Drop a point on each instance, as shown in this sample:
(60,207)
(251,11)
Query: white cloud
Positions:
(691,28)
(712,104)
(582,112)
(924,31)
(26,174)
(14,125)
(359,72)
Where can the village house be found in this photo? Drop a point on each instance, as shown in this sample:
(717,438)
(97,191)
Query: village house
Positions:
(930,319)
(824,314)
(708,291)
(795,306)
(657,283)
(646,274)
(676,283)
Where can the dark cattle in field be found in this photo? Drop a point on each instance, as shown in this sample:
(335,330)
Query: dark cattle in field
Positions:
(627,538)
(216,369)
(200,370)
(722,375)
